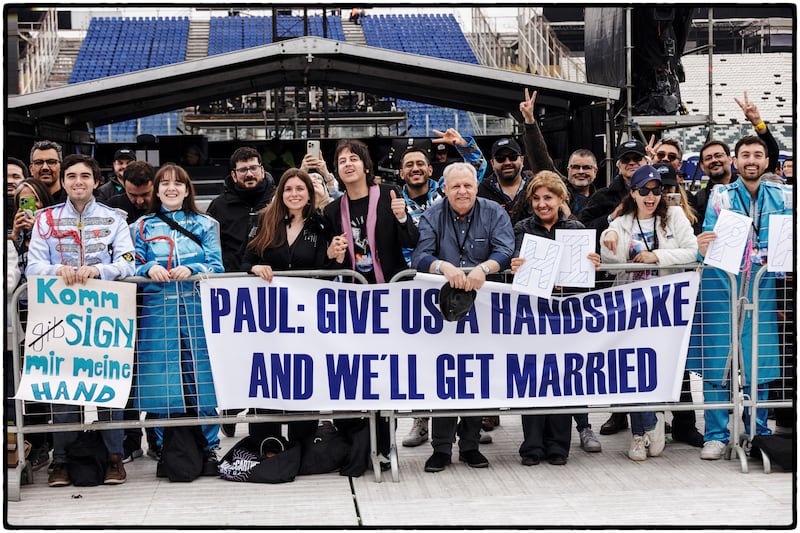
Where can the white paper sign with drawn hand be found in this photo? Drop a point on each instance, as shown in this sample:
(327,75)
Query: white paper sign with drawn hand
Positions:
(781,243)
(576,268)
(727,250)
(537,275)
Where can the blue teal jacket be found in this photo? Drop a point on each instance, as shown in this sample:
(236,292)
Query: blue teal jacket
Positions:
(171,321)
(710,342)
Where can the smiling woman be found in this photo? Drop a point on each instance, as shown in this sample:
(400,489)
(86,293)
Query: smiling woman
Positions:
(647,231)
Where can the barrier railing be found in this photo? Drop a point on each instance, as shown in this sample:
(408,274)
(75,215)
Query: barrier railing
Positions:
(735,392)
(736,400)
(772,335)
(182,331)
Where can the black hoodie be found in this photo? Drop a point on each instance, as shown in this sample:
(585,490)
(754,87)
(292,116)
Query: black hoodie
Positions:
(236,210)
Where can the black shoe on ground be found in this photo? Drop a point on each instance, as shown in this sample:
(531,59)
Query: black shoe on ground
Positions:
(692,438)
(473,458)
(437,462)
(59,477)
(615,423)
(39,457)
(530,460)
(154,453)
(557,460)
(210,464)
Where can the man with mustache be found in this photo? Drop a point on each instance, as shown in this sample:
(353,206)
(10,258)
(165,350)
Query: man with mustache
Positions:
(507,183)
(122,158)
(46,166)
(581,167)
(716,160)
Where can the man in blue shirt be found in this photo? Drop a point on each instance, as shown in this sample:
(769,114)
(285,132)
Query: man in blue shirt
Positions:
(464,238)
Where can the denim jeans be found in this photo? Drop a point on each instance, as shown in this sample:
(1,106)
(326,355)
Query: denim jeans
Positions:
(69,414)
(642,421)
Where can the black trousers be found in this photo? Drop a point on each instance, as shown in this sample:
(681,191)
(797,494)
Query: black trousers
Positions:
(444,430)
(546,435)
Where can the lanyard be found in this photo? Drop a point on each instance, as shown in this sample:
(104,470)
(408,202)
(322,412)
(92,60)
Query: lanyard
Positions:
(749,203)
(641,232)
(462,243)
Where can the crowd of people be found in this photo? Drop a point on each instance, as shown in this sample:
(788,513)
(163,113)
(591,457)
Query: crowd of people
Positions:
(466,225)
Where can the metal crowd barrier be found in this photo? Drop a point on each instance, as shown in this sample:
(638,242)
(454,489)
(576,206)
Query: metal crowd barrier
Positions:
(22,473)
(772,311)
(736,400)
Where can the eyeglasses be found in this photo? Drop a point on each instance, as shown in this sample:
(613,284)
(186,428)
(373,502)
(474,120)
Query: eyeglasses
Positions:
(630,159)
(669,156)
(644,191)
(502,158)
(581,167)
(252,168)
(49,162)
(711,157)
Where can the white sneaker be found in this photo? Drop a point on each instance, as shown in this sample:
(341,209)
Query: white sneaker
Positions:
(654,439)
(418,433)
(638,451)
(712,450)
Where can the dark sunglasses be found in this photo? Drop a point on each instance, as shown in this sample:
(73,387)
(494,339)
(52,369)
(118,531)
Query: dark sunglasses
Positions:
(644,191)
(502,158)
(630,158)
(669,156)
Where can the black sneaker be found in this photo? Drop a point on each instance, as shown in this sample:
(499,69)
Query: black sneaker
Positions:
(210,463)
(557,460)
(39,457)
(692,438)
(530,460)
(154,453)
(437,462)
(474,459)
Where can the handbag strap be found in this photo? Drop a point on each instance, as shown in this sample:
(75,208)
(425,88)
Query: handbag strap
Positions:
(177,227)
(268,439)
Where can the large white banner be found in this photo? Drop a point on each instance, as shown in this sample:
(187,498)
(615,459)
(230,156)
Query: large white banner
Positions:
(300,344)
(79,342)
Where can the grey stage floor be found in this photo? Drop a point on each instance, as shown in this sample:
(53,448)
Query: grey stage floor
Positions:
(605,489)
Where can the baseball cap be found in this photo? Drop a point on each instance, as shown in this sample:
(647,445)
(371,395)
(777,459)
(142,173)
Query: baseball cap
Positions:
(668,174)
(125,153)
(644,174)
(631,147)
(455,303)
(441,147)
(506,143)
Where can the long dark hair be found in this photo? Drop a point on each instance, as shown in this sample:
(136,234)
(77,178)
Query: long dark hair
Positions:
(629,206)
(272,220)
(182,177)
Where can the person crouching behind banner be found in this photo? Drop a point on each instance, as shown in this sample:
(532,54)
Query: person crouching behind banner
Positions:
(174,242)
(647,231)
(291,236)
(369,228)
(546,436)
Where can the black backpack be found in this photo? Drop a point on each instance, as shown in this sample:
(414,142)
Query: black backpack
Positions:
(87,459)
(182,453)
(324,452)
(778,448)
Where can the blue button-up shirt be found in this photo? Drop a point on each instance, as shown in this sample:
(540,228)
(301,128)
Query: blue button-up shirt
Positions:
(484,233)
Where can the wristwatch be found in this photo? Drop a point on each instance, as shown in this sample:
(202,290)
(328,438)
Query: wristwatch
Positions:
(485,268)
